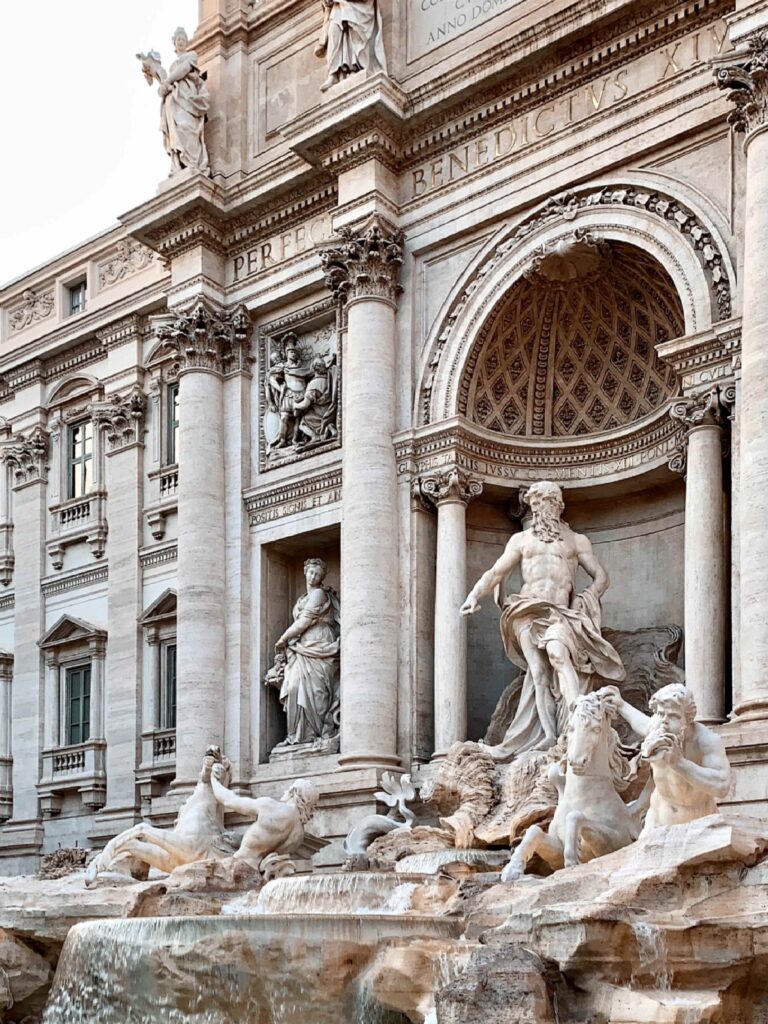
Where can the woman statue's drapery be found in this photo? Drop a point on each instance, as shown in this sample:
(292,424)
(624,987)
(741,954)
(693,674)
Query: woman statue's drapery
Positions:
(306,665)
(351,39)
(184,105)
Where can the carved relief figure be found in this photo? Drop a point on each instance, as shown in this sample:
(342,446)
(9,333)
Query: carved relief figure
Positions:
(547,629)
(306,668)
(350,39)
(184,106)
(689,767)
(301,393)
(197,835)
(278,829)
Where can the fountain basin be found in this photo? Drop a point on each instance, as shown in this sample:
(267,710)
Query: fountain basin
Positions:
(265,969)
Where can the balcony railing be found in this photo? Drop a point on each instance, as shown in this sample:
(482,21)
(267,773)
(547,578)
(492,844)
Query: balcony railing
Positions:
(164,745)
(169,483)
(75,514)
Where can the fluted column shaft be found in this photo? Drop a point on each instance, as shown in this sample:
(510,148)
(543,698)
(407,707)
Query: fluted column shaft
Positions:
(745,74)
(362,271)
(706,598)
(450,491)
(209,342)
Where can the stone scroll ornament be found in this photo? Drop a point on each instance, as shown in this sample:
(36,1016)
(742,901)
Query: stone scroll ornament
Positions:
(306,667)
(184,104)
(350,39)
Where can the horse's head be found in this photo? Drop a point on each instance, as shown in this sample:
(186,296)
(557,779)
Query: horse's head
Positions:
(589,728)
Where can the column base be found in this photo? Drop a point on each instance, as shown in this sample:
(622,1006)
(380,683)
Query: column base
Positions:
(364,759)
(751,710)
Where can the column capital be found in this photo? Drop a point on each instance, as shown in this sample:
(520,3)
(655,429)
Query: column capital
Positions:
(450,485)
(27,456)
(121,418)
(744,73)
(205,337)
(364,262)
(709,409)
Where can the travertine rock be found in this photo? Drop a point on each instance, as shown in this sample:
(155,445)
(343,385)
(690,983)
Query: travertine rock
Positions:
(232,874)
(63,862)
(25,977)
(501,985)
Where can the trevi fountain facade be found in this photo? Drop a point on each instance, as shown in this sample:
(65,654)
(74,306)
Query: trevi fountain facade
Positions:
(384,532)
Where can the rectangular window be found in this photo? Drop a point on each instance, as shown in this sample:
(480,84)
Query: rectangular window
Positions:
(172,440)
(76,298)
(169,687)
(79,459)
(78,706)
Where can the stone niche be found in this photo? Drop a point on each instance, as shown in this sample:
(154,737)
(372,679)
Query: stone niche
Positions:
(636,528)
(283,583)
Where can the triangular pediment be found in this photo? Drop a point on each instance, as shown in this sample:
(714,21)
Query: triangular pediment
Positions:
(161,609)
(69,629)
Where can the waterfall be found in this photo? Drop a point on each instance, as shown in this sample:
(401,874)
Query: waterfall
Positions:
(653,953)
(270,969)
(359,892)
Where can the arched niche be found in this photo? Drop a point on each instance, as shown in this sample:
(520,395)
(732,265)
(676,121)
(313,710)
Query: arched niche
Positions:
(681,239)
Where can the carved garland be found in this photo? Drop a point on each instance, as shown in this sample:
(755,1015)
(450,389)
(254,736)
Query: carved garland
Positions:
(564,207)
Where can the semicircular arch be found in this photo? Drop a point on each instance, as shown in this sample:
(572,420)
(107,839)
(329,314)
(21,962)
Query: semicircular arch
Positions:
(687,243)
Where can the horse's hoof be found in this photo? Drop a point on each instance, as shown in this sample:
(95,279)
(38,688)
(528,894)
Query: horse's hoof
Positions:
(512,873)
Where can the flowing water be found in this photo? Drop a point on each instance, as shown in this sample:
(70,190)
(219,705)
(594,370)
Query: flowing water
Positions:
(653,953)
(360,892)
(261,969)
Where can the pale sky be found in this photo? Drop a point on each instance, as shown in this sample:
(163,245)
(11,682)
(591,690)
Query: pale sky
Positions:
(80,126)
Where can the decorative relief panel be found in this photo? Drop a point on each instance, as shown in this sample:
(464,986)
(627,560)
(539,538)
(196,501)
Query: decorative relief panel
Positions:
(300,386)
(570,350)
(34,306)
(129,258)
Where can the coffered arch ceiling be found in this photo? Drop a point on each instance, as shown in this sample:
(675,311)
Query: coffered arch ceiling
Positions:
(569,351)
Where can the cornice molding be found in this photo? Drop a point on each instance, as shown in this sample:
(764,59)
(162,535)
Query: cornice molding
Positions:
(267,504)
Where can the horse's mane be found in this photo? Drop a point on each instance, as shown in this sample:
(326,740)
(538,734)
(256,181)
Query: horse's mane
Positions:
(591,707)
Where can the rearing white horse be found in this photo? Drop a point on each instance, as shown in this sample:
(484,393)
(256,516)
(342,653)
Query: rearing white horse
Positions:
(197,835)
(591,819)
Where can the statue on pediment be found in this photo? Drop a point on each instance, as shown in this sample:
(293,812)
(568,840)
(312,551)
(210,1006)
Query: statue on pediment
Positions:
(184,104)
(351,39)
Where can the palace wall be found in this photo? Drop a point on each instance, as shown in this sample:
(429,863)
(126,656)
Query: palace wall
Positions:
(504,136)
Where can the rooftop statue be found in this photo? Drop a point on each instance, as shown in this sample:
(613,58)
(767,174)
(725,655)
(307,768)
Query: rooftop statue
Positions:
(197,835)
(306,668)
(184,104)
(350,39)
(689,766)
(548,629)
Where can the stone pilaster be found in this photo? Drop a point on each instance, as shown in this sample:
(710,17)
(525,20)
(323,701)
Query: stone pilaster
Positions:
(121,420)
(450,491)
(706,596)
(209,343)
(6,748)
(27,458)
(362,270)
(744,73)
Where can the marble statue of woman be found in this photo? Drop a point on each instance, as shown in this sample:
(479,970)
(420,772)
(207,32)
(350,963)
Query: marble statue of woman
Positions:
(350,39)
(185,103)
(307,664)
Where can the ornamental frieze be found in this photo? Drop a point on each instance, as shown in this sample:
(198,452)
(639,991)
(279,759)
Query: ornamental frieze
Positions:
(268,505)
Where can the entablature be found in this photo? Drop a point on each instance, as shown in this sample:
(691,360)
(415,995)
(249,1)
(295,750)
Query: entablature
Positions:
(600,458)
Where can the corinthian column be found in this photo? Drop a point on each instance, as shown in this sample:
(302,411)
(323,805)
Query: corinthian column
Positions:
(27,458)
(362,271)
(209,343)
(705,583)
(745,75)
(450,491)
(121,420)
